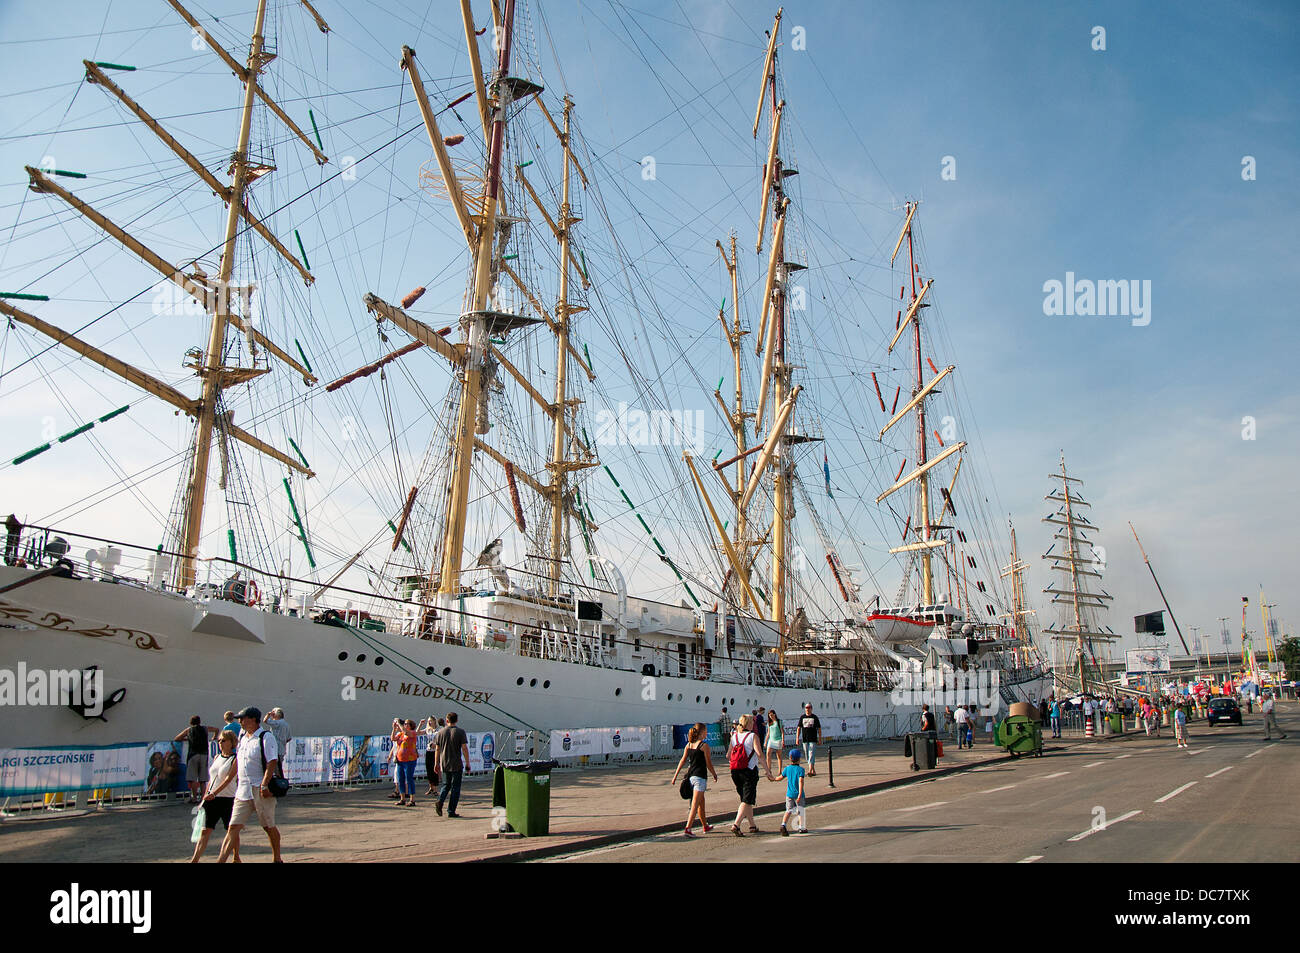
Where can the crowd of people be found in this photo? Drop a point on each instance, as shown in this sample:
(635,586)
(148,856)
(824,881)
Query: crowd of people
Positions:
(244,780)
(751,741)
(446,757)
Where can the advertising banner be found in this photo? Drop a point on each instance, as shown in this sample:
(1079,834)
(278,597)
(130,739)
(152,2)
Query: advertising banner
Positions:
(833,728)
(573,744)
(1138,661)
(26,771)
(634,740)
(305,761)
(482,749)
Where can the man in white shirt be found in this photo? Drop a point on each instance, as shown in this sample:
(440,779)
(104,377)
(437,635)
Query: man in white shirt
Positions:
(961,716)
(257,756)
(1270,720)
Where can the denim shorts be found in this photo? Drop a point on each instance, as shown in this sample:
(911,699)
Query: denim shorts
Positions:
(699,784)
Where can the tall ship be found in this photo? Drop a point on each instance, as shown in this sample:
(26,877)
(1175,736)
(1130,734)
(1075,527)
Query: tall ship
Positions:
(475,548)
(945,617)
(1081,640)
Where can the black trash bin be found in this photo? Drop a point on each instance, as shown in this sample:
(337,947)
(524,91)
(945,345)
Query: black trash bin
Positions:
(925,750)
(523,788)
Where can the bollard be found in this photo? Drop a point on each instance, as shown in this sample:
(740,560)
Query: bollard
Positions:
(830,766)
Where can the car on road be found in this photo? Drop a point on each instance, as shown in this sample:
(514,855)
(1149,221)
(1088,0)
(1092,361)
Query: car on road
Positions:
(1223,709)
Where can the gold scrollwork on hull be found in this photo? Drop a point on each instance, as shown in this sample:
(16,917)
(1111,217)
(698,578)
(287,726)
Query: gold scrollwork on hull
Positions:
(61,623)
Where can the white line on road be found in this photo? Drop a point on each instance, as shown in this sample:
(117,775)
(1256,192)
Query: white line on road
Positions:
(1030,859)
(1094,830)
(922,807)
(1094,764)
(1253,753)
(1005,787)
(1220,771)
(1121,756)
(1048,777)
(1175,792)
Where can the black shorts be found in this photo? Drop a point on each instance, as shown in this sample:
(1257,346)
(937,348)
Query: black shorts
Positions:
(218,809)
(746,782)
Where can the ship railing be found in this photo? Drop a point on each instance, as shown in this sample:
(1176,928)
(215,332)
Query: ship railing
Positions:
(218,578)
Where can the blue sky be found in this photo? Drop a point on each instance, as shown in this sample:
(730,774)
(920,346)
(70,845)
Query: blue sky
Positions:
(1122,163)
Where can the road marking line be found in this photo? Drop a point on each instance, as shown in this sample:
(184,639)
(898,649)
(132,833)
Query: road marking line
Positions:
(1220,771)
(1094,764)
(1253,753)
(1121,756)
(1048,777)
(922,807)
(1094,830)
(1175,792)
(1004,787)
(1197,751)
(1030,859)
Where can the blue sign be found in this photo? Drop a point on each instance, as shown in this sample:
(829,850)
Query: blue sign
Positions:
(338,753)
(488,747)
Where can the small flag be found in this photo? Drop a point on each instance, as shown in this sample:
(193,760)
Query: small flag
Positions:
(826,468)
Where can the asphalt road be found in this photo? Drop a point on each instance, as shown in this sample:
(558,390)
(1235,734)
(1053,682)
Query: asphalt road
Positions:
(1227,798)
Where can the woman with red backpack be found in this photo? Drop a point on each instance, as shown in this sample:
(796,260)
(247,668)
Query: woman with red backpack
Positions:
(743,757)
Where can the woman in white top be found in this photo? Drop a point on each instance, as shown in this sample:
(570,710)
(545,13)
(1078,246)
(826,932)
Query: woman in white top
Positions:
(430,728)
(219,798)
(745,750)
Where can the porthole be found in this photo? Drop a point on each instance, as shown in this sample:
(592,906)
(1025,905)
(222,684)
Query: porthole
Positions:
(546,684)
(532,683)
(379,660)
(519,680)
(670,696)
(361,658)
(428,670)
(446,671)
(697,699)
(706,699)
(617,692)
(343,656)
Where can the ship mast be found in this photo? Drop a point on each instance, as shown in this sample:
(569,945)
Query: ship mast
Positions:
(213,370)
(216,296)
(736,415)
(1081,602)
(1020,610)
(453,535)
(925,525)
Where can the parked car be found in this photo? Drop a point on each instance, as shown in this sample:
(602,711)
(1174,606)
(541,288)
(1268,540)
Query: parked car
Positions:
(1223,709)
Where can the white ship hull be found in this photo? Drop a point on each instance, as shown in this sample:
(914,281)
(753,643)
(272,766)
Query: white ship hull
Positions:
(145,641)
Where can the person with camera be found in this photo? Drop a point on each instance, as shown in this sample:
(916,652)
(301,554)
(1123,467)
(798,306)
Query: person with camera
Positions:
(258,761)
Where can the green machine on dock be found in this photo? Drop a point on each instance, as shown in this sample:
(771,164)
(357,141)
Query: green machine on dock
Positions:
(1020,732)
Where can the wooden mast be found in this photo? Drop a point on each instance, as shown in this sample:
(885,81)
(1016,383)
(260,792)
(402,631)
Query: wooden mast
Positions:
(214,295)
(212,369)
(453,536)
(559,455)
(781,502)
(923,482)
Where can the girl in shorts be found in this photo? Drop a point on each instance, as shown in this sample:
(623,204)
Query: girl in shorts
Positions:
(219,799)
(697,760)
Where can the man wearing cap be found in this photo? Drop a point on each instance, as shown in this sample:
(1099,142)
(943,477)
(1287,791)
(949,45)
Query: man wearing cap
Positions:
(258,756)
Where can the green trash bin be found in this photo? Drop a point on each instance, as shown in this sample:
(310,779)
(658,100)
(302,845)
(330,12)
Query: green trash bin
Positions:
(1116,722)
(523,788)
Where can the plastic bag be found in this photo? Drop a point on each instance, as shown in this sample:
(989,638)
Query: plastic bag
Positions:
(196,829)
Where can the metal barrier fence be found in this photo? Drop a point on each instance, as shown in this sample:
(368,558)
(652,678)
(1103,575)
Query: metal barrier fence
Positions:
(507,746)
